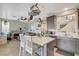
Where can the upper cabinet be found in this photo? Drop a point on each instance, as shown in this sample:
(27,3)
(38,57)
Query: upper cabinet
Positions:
(51,25)
(78,17)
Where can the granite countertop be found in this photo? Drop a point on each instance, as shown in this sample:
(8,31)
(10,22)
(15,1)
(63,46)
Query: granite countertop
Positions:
(41,40)
(63,35)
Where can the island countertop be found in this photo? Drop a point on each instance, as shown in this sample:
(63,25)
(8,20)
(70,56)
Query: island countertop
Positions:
(42,40)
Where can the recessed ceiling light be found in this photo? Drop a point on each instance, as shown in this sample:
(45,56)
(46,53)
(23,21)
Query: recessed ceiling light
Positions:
(15,16)
(65,9)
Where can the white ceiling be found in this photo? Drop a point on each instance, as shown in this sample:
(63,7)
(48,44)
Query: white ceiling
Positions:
(15,10)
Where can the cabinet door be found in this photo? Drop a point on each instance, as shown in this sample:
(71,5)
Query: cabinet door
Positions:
(51,23)
(66,44)
(61,43)
(70,45)
(77,46)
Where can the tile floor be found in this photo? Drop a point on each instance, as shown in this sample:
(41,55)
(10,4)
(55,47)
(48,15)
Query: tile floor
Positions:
(10,49)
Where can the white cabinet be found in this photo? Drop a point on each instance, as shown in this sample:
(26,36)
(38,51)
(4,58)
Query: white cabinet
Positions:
(77,46)
(66,44)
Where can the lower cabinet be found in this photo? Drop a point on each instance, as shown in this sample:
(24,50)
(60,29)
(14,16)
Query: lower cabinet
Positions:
(50,48)
(77,46)
(66,44)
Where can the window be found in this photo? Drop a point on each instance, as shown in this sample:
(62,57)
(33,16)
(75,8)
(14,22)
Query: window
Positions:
(5,27)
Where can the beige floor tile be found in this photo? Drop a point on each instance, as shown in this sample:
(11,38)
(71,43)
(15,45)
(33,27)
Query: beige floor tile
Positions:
(10,49)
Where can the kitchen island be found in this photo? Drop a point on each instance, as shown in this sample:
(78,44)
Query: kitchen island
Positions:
(42,41)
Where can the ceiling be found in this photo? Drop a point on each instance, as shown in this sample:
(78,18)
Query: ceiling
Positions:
(16,10)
